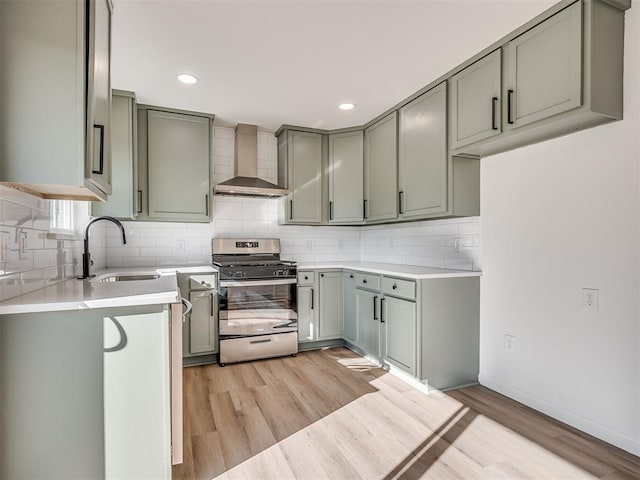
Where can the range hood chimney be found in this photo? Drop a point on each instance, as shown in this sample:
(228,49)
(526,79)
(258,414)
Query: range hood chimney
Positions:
(245,181)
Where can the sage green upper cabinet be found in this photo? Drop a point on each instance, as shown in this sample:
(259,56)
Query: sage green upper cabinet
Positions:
(475,101)
(544,69)
(178,163)
(304,173)
(381,169)
(330,325)
(56,93)
(125,199)
(422,159)
(346,183)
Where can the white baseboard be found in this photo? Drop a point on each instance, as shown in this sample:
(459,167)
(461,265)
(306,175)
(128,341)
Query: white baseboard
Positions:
(631,445)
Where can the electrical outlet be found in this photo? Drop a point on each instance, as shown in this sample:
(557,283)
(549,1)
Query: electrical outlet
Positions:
(590,300)
(308,246)
(457,244)
(509,343)
(180,246)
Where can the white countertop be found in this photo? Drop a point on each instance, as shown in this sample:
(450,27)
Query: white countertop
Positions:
(77,294)
(407,271)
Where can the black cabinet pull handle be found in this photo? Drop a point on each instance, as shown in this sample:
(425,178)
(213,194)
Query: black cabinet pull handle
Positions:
(350,276)
(509,106)
(400,195)
(139,201)
(382,310)
(330,210)
(395,286)
(375,312)
(312,299)
(364,209)
(494,105)
(206,205)
(290,209)
(322,275)
(306,278)
(100,170)
(364,280)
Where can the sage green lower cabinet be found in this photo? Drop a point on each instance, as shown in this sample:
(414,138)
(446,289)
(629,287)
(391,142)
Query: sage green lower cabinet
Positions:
(381,169)
(399,325)
(350,330)
(125,201)
(137,414)
(201,326)
(307,314)
(331,291)
(449,322)
(422,155)
(86,393)
(346,177)
(368,321)
(320,314)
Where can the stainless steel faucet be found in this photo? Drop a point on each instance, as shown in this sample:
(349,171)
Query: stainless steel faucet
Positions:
(86,256)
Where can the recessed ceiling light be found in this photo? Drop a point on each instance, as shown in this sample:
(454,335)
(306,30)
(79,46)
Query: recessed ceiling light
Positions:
(346,106)
(187,78)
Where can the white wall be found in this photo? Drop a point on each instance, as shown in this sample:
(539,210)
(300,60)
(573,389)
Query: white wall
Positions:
(557,217)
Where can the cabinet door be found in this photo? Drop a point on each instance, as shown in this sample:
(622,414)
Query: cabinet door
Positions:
(349,307)
(368,317)
(178,166)
(305,177)
(203,335)
(346,177)
(137,415)
(330,325)
(544,69)
(422,163)
(124,201)
(400,339)
(381,169)
(475,101)
(307,314)
(98,169)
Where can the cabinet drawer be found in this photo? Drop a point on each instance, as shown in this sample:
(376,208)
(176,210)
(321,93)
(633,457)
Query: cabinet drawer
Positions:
(306,278)
(399,288)
(365,280)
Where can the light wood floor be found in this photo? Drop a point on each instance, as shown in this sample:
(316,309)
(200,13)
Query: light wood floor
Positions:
(330,414)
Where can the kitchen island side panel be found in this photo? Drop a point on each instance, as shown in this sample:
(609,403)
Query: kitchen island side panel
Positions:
(52,396)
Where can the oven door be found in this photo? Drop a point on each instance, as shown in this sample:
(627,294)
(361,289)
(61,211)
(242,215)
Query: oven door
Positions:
(257,307)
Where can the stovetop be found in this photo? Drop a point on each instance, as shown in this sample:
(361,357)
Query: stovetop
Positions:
(251,259)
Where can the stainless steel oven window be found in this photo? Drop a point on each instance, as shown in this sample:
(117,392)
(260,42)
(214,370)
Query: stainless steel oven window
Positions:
(246,309)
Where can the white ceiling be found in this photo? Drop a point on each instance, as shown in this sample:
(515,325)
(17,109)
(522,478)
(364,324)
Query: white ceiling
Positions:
(270,62)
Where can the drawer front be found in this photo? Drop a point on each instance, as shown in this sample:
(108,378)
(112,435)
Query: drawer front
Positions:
(306,278)
(263,346)
(368,281)
(399,288)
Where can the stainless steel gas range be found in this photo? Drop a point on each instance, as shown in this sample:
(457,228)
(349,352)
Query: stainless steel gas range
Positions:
(257,300)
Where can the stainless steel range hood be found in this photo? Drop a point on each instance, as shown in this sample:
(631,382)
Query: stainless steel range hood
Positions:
(246,181)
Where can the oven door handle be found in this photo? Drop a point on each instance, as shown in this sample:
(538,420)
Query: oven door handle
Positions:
(257,283)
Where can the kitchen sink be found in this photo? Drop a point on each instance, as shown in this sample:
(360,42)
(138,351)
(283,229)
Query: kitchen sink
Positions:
(125,277)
